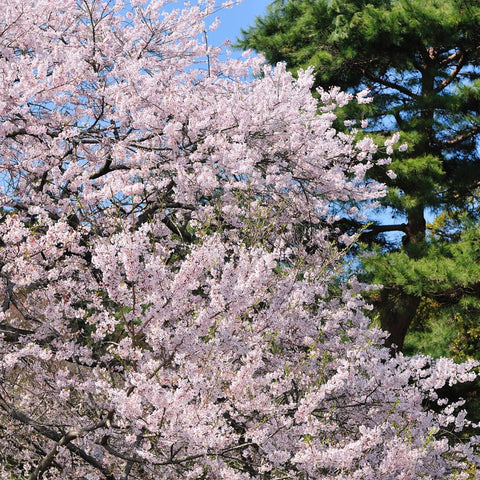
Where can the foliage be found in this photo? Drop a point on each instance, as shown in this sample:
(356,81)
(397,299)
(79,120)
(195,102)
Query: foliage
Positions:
(421,60)
(165,267)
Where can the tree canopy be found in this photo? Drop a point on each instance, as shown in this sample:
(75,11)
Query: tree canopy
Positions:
(420,60)
(165,312)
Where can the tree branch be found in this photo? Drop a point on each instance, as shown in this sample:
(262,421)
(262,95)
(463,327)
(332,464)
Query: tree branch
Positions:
(8,292)
(453,75)
(106,168)
(44,465)
(395,86)
(462,138)
(371,229)
(12,334)
(62,440)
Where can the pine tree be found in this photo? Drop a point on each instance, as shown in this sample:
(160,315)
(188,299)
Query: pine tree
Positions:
(421,61)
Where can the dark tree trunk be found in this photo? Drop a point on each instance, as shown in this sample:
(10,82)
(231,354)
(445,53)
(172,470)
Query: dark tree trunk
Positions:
(397,310)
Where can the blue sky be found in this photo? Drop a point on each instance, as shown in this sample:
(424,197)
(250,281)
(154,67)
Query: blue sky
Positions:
(232,20)
(235,18)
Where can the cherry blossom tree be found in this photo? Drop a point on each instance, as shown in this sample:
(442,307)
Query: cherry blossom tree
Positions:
(172,306)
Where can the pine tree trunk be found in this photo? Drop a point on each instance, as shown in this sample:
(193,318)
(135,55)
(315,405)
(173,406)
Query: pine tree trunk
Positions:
(398,308)
(397,313)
